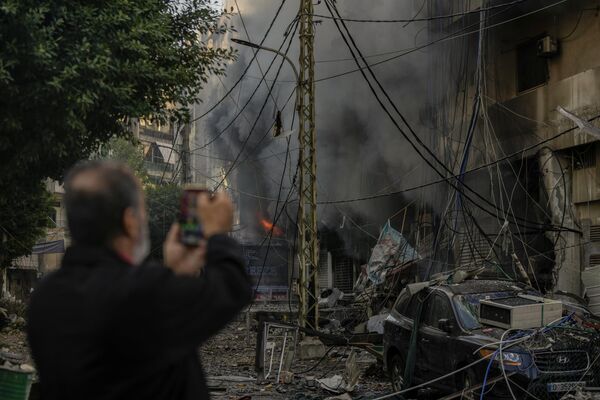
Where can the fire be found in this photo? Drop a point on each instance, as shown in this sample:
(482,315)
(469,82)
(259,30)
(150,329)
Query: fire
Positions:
(268,225)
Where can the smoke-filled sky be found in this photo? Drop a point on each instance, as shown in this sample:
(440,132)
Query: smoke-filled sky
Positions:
(359,151)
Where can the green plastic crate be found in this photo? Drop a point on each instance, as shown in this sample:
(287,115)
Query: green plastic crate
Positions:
(15,385)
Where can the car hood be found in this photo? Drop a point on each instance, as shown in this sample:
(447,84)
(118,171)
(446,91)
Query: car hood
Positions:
(553,339)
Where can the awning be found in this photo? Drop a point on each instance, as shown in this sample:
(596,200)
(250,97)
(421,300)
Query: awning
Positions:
(53,247)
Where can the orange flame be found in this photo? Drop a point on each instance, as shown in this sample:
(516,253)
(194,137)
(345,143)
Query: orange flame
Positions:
(268,225)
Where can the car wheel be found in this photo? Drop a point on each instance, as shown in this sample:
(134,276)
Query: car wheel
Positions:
(396,372)
(469,380)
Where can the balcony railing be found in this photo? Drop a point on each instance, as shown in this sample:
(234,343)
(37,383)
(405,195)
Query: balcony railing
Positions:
(158,167)
(152,133)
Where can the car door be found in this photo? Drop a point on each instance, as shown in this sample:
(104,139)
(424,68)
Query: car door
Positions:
(399,326)
(436,345)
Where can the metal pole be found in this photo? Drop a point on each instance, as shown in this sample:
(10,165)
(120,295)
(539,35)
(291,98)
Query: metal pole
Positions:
(308,245)
(185,154)
(307,224)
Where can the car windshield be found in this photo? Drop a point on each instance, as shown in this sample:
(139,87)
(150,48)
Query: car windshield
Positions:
(467,307)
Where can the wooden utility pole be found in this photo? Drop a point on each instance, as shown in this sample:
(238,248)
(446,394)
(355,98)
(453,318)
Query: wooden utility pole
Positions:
(307,223)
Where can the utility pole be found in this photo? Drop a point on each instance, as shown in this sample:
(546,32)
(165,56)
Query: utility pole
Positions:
(307,223)
(308,244)
(186,176)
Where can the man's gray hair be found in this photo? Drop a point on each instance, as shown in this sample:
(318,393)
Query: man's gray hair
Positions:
(97,193)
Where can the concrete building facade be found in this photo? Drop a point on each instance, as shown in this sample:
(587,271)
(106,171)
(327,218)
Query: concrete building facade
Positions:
(521,62)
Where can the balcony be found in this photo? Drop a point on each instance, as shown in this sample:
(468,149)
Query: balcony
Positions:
(154,168)
(147,133)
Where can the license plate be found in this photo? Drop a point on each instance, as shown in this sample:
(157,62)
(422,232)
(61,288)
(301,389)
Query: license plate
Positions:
(564,386)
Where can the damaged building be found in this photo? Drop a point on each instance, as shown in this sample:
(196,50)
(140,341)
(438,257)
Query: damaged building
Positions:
(497,92)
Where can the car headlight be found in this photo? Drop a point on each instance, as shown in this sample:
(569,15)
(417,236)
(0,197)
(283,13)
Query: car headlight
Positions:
(508,358)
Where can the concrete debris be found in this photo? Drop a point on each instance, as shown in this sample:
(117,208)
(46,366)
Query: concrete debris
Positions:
(333,326)
(360,328)
(14,361)
(311,348)
(375,323)
(344,396)
(330,297)
(306,396)
(309,381)
(231,378)
(579,394)
(346,383)
(352,373)
(286,377)
(333,384)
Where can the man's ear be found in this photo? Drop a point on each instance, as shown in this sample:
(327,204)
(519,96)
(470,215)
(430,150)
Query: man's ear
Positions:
(131,223)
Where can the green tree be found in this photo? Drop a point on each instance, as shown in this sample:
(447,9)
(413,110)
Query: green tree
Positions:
(162,202)
(22,226)
(126,151)
(74,72)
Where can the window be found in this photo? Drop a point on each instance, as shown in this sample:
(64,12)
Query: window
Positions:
(583,156)
(532,70)
(52,216)
(402,302)
(595,233)
(413,307)
(154,154)
(437,307)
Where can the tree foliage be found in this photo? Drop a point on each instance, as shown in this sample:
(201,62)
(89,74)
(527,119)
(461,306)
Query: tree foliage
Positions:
(74,72)
(22,226)
(127,151)
(162,202)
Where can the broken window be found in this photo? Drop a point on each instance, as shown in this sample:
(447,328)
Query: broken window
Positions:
(583,156)
(532,70)
(436,308)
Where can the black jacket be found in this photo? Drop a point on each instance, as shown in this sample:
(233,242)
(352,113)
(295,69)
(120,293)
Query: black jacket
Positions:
(102,329)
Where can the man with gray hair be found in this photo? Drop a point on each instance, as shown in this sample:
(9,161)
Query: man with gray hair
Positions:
(108,325)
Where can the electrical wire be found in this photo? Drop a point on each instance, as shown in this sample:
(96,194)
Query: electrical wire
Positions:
(247,67)
(415,19)
(511,342)
(574,27)
(245,142)
(475,169)
(415,136)
(263,74)
(265,135)
(408,50)
(440,40)
(275,213)
(249,100)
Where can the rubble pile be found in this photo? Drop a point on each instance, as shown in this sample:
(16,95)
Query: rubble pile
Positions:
(392,265)
(342,373)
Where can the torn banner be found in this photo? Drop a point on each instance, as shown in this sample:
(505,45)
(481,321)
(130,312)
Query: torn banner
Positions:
(392,250)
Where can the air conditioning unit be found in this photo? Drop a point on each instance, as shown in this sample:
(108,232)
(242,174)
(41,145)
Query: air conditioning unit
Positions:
(519,312)
(547,47)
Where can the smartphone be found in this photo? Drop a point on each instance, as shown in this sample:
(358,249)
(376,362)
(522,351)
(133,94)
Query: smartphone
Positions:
(191,232)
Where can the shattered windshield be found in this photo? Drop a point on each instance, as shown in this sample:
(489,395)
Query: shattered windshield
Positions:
(467,307)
